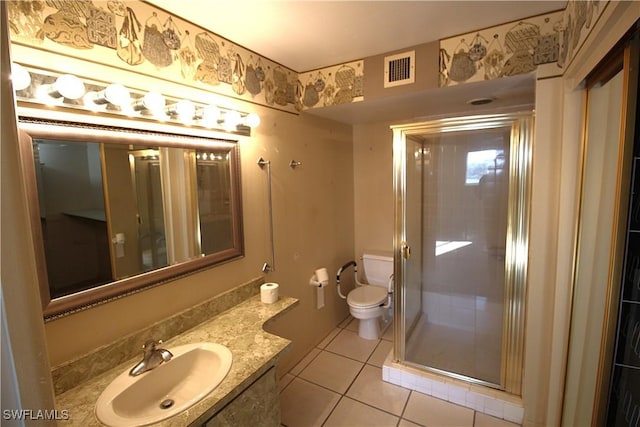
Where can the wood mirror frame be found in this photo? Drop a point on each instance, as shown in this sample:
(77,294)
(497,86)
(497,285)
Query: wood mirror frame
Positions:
(32,129)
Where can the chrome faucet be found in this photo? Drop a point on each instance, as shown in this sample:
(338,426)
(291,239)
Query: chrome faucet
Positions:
(153,357)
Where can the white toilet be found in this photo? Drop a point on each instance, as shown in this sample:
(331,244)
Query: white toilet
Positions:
(370,302)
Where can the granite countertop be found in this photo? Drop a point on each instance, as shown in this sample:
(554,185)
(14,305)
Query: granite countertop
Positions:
(240,329)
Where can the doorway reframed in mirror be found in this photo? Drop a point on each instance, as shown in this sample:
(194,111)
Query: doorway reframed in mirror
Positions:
(115,210)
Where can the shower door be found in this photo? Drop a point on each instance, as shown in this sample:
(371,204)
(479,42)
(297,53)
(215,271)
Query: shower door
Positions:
(461,246)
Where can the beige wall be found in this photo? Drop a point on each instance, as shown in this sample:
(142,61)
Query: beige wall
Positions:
(543,251)
(373,183)
(426,72)
(21,299)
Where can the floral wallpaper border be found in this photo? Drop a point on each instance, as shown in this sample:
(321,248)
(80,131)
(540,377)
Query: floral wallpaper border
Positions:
(136,36)
(578,20)
(506,50)
(518,47)
(340,84)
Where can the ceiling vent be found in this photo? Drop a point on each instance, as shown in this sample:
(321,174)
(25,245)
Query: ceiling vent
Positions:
(399,69)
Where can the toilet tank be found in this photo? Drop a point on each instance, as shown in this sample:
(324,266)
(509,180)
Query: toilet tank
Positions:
(378,266)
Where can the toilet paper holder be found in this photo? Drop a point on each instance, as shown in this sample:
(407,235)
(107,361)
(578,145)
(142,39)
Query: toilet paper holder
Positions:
(320,278)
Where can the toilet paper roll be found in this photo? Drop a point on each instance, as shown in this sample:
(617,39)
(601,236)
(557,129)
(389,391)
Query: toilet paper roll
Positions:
(269,293)
(322,275)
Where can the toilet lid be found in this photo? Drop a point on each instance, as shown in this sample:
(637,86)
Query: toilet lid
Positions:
(367,296)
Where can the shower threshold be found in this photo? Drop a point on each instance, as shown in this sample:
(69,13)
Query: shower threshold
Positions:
(483,399)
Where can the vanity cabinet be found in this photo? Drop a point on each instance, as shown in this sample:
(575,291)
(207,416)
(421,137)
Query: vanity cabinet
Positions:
(248,395)
(258,405)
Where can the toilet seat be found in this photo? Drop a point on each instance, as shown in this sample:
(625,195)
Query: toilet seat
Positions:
(367,296)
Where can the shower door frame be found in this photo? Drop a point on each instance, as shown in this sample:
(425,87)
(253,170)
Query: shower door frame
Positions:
(517,242)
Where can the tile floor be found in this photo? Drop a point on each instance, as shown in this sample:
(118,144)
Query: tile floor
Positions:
(339,383)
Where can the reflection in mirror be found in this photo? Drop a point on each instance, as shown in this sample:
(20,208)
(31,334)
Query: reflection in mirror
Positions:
(148,192)
(115,210)
(214,200)
(135,208)
(72,215)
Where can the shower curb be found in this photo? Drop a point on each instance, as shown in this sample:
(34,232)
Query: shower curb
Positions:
(482,399)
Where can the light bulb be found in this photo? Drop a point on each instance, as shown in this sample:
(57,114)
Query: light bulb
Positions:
(184,110)
(65,86)
(116,94)
(208,115)
(20,77)
(151,101)
(43,94)
(252,120)
(231,120)
(68,86)
(90,100)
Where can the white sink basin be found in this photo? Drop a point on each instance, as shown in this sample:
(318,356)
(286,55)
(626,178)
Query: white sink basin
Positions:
(193,372)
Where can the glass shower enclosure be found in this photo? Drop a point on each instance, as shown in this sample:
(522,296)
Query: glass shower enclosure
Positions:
(461,189)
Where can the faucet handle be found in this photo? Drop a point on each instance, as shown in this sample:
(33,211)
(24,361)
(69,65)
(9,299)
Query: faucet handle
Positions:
(150,345)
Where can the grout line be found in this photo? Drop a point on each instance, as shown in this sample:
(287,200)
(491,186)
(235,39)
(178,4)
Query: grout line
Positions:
(380,341)
(309,362)
(287,386)
(332,410)
(404,408)
(348,357)
(365,403)
(373,407)
(321,386)
(355,378)
(344,395)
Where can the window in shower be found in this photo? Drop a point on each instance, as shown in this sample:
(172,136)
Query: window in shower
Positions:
(461,187)
(480,163)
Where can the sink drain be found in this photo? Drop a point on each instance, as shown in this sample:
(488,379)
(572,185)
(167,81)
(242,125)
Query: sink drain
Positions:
(166,404)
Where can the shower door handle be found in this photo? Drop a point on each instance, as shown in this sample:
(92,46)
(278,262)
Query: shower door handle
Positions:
(405,250)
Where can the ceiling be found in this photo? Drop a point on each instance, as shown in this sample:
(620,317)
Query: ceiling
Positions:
(307,35)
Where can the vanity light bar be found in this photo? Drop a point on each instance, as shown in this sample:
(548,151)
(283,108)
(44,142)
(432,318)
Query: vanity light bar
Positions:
(71,91)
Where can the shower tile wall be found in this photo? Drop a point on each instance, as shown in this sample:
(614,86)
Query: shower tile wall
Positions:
(464,231)
(465,326)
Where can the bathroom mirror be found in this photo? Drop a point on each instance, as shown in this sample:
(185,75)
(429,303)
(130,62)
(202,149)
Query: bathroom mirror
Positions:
(116,210)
